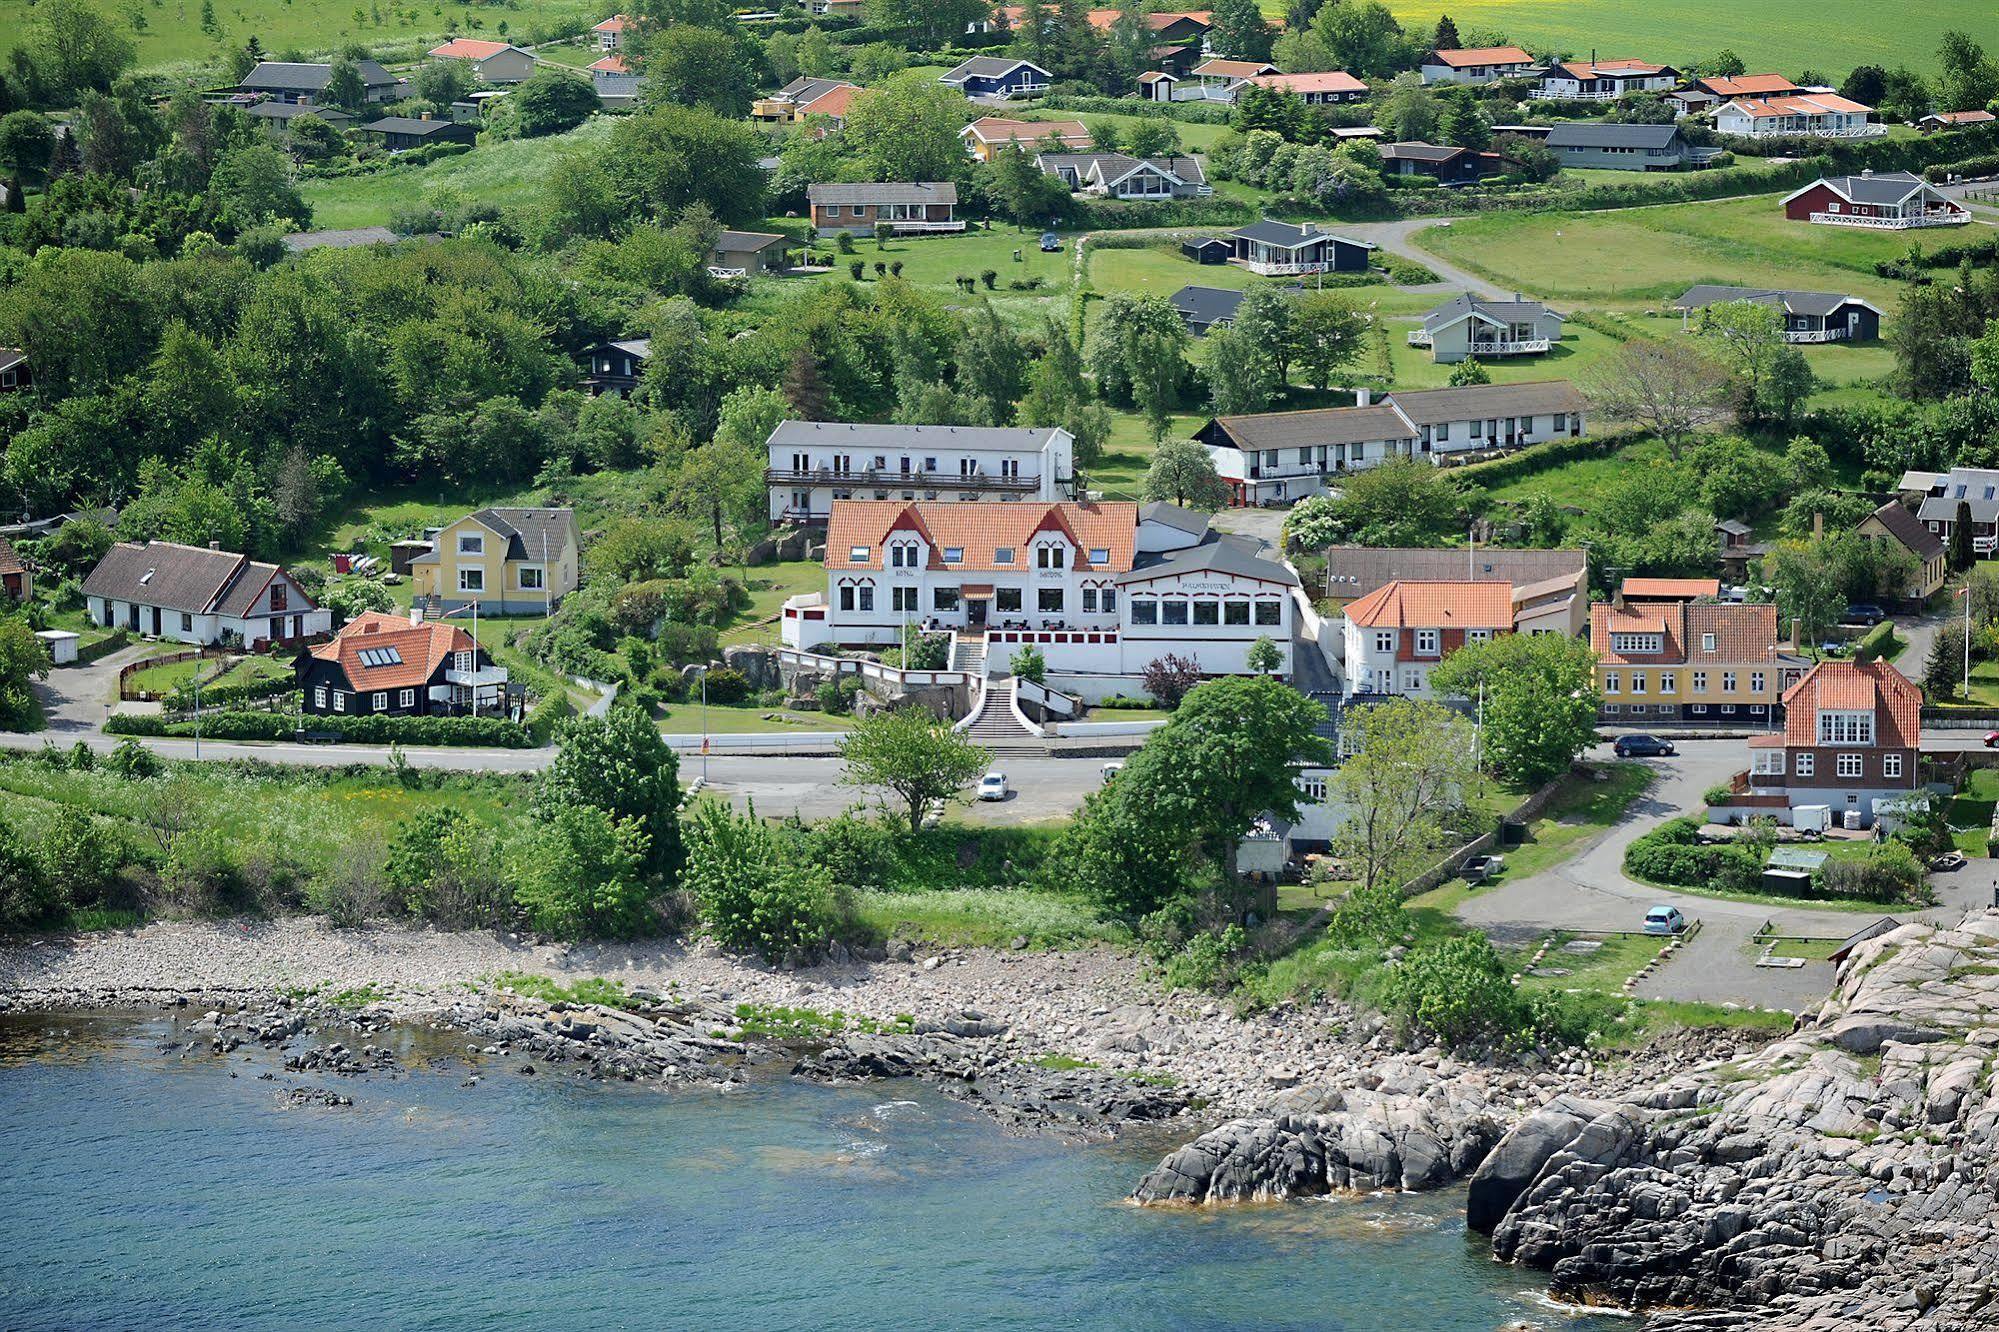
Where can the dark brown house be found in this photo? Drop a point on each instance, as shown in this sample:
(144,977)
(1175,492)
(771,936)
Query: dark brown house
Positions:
(385,665)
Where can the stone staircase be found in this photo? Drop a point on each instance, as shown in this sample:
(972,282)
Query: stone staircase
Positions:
(969,655)
(997,730)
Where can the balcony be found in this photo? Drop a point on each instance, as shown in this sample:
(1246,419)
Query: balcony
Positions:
(886,480)
(483,679)
(1816,334)
(1934,217)
(1511,347)
(923,224)
(1268,269)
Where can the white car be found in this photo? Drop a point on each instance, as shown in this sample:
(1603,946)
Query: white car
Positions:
(1664,920)
(1112,769)
(992,786)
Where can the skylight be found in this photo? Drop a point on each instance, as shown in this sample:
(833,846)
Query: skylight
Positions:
(381,656)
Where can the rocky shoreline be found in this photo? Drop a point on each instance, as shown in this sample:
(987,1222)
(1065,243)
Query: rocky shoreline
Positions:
(1844,1176)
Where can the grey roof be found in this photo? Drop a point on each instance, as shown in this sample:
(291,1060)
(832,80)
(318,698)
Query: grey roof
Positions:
(293,110)
(1909,531)
(639,347)
(529,532)
(1355,571)
(1861,936)
(806,89)
(294,77)
(1327,425)
(1289,236)
(1733,526)
(1116,166)
(1206,305)
(748,242)
(1876,187)
(1601,134)
(1975,486)
(1220,553)
(1013,439)
(1791,302)
(409,125)
(301,241)
(1418,151)
(885,192)
(11,357)
(989,67)
(165,574)
(1531,398)
(1173,516)
(1500,312)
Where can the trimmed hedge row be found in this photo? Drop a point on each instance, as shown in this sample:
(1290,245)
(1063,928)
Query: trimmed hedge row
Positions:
(103,647)
(485,732)
(1875,642)
(182,698)
(1537,458)
(551,712)
(1215,210)
(1191,113)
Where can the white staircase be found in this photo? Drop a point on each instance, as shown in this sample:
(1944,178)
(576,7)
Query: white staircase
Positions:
(997,730)
(968,655)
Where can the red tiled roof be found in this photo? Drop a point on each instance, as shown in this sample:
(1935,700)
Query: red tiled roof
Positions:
(615,23)
(421,647)
(1444,605)
(1668,620)
(1671,589)
(468,48)
(10,562)
(833,102)
(1332,80)
(1748,85)
(1484,55)
(1103,20)
(1802,104)
(981,529)
(612,64)
(1851,686)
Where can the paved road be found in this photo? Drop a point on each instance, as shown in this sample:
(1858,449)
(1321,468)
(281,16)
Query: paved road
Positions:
(1590,892)
(1397,238)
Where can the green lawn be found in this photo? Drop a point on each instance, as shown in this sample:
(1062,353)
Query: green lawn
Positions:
(169,35)
(1603,971)
(1970,813)
(1831,37)
(508,174)
(770,585)
(1028,284)
(1811,950)
(1578,482)
(1642,257)
(1580,810)
(165,678)
(749,719)
(985,918)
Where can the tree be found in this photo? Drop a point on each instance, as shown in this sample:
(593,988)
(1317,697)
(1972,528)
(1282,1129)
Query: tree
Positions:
(1326,335)
(1028,664)
(68,47)
(442,82)
(658,162)
(1943,669)
(1406,767)
(1402,502)
(1538,701)
(1469,372)
(256,184)
(1787,385)
(28,895)
(1137,350)
(26,140)
(687,65)
(1184,474)
(548,103)
(1241,374)
(619,764)
(1725,65)
(1264,657)
(1362,38)
(1409,110)
(935,21)
(579,873)
(1466,125)
(752,890)
(1238,31)
(1960,536)
(1671,390)
(1446,37)
(1866,84)
(1807,465)
(1808,590)
(1169,679)
(1747,335)
(23,660)
(345,88)
(911,756)
(1024,193)
(907,129)
(1967,78)
(1735,478)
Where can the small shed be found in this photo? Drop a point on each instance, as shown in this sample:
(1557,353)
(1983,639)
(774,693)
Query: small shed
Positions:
(1790,870)
(402,552)
(60,644)
(1213,250)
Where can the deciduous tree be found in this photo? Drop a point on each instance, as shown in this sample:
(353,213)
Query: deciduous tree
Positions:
(1538,701)
(1669,389)
(1183,473)
(913,757)
(619,764)
(1406,767)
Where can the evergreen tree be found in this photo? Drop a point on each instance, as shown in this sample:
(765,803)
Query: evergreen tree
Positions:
(1447,38)
(1960,536)
(1466,126)
(804,388)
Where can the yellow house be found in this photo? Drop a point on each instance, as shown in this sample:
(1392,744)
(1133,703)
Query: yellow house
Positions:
(1673,661)
(510,561)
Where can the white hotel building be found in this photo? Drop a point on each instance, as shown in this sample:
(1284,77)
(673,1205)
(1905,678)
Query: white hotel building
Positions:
(813,463)
(1101,589)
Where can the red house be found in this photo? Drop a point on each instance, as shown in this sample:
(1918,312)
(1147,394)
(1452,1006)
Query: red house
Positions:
(1887,200)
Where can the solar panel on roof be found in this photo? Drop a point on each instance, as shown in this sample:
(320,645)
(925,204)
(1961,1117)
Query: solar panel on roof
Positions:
(381,656)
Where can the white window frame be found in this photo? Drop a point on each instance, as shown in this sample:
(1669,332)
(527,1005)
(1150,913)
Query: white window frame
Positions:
(1427,642)
(1767,763)
(1891,765)
(339,700)
(1707,642)
(471,580)
(472,543)
(1384,639)
(1612,682)
(406,699)
(380,702)
(1852,765)
(535,571)
(1845,728)
(319,698)
(1805,764)
(1700,682)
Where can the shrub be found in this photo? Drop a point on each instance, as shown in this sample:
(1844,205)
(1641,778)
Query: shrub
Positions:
(750,892)
(579,873)
(1889,873)
(1672,853)
(131,759)
(1169,679)
(1209,961)
(837,695)
(1716,796)
(1875,642)
(1029,664)
(550,711)
(28,895)
(1407,272)
(727,686)
(1455,991)
(854,851)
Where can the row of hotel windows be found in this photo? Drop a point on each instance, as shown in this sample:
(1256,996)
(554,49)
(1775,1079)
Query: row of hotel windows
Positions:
(1669,709)
(1439,433)
(1427,641)
(843,465)
(1669,682)
(1770,763)
(1151,610)
(1006,600)
(904,555)
(405,699)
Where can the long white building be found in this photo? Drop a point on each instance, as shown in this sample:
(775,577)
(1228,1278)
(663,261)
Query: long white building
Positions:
(813,463)
(1101,589)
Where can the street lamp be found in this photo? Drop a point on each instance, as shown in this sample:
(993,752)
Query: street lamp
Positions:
(704,725)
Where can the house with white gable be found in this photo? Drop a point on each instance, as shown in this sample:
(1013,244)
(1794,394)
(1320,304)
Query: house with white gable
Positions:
(812,464)
(1100,589)
(201,595)
(1400,632)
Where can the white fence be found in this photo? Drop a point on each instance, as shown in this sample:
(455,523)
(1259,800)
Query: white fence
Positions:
(870,670)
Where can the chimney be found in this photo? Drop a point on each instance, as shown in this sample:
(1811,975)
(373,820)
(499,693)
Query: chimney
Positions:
(423,115)
(416,615)
(215,545)
(1797,635)
(1363,397)
(1617,598)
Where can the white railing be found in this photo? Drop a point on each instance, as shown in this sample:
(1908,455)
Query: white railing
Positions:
(1020,716)
(978,688)
(913,224)
(1893,223)
(1048,700)
(868,670)
(1815,334)
(1521,347)
(1268,269)
(1864,131)
(1420,338)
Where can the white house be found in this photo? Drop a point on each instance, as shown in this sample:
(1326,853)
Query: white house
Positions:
(1278,457)
(1398,633)
(1468,325)
(1606,80)
(1102,590)
(200,595)
(1823,115)
(1116,176)
(813,463)
(1477,64)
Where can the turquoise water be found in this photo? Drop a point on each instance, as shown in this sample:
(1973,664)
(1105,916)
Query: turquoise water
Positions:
(142,1189)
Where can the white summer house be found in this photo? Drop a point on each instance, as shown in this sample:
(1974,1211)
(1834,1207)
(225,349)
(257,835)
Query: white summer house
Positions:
(813,463)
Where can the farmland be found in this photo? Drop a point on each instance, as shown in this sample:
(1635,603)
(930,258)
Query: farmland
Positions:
(170,36)
(507,174)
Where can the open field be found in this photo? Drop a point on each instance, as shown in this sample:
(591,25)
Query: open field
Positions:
(172,37)
(1579,482)
(715,719)
(508,174)
(1831,37)
(1640,257)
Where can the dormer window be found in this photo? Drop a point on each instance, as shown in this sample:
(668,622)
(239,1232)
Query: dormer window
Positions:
(1051,557)
(1707,642)
(902,555)
(1846,728)
(857,554)
(1100,555)
(1636,643)
(954,554)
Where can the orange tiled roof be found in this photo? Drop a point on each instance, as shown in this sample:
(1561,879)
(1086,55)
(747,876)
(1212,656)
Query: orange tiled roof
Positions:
(1484,55)
(1802,104)
(1103,20)
(833,102)
(1748,85)
(1233,69)
(1419,605)
(10,561)
(422,647)
(612,64)
(1332,80)
(1851,686)
(1668,620)
(981,529)
(1742,633)
(468,48)
(1671,589)
(998,129)
(615,23)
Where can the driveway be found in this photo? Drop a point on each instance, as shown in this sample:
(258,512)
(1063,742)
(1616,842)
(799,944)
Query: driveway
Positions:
(1590,892)
(77,699)
(1398,238)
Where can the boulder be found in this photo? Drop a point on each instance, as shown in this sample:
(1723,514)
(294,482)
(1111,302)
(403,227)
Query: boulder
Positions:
(1514,1163)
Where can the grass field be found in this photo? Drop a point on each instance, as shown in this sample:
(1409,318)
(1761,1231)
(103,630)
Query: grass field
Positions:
(693,719)
(508,174)
(1831,37)
(172,35)
(1639,257)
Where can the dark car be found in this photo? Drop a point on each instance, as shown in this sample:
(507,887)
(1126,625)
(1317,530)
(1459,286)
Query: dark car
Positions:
(1050,241)
(1861,612)
(1643,746)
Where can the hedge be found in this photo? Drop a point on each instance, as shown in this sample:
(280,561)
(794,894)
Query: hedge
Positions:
(487,732)
(1537,458)
(103,647)
(1673,854)
(1875,642)
(1117,213)
(551,712)
(182,698)
(1191,113)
